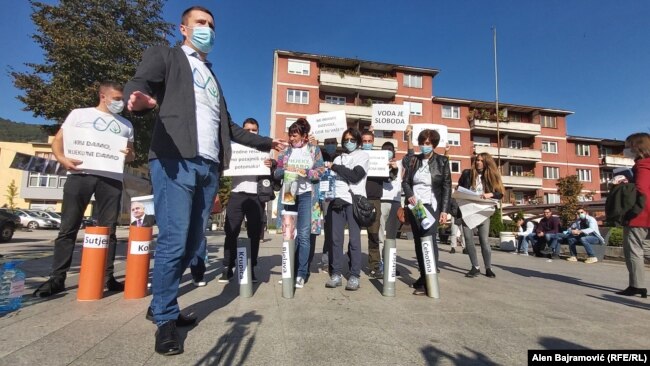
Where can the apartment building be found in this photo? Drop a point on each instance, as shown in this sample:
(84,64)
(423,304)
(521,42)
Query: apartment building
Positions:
(530,143)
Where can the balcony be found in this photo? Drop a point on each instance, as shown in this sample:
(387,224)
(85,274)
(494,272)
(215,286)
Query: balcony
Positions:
(510,128)
(617,161)
(511,154)
(372,86)
(512,181)
(351,111)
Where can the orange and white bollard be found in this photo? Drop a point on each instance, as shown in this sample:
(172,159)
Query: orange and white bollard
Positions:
(137,262)
(93,263)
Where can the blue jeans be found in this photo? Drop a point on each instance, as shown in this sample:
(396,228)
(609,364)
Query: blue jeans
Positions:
(587,241)
(553,242)
(184,190)
(524,241)
(303,228)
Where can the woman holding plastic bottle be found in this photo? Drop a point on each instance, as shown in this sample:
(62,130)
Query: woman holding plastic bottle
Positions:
(300,167)
(427,182)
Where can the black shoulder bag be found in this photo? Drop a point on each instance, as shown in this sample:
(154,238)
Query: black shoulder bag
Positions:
(363,210)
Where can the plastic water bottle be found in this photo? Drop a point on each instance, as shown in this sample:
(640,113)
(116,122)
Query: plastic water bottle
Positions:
(12,286)
(327,188)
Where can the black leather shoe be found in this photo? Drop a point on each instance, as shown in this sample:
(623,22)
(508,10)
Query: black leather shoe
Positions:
(52,286)
(167,340)
(181,321)
(489,273)
(452,251)
(419,283)
(631,291)
(113,285)
(473,272)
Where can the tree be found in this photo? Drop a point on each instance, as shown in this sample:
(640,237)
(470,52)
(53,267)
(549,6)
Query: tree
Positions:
(225,186)
(12,194)
(86,42)
(569,189)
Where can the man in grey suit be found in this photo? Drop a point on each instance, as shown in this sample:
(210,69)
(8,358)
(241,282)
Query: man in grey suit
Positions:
(190,147)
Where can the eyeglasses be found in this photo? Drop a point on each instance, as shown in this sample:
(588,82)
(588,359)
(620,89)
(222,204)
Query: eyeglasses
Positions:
(350,140)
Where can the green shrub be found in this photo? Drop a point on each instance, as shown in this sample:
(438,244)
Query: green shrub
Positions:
(615,237)
(496,224)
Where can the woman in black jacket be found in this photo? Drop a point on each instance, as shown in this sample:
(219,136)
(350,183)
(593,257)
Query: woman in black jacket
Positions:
(427,178)
(485,179)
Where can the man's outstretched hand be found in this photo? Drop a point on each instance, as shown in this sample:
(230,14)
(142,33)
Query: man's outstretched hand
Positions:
(279,144)
(139,101)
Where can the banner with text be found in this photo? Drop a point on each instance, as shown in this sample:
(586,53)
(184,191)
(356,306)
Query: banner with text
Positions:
(246,161)
(378,163)
(328,125)
(390,117)
(419,127)
(97,150)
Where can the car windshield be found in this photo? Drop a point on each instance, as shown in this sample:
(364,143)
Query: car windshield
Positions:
(54,214)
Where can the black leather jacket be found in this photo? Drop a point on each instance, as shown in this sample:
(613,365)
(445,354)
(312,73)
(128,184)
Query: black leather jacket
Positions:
(440,178)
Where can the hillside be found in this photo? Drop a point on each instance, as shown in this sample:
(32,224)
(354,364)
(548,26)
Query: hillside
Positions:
(21,132)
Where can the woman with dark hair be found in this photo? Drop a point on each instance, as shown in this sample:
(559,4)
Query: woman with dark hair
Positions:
(636,232)
(427,178)
(483,178)
(306,161)
(350,169)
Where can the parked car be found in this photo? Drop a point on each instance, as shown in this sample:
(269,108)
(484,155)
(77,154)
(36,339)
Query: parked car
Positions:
(48,215)
(33,221)
(8,225)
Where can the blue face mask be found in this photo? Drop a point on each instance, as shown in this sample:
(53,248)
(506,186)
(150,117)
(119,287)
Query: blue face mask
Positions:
(390,154)
(367,146)
(330,149)
(426,149)
(582,216)
(203,38)
(350,146)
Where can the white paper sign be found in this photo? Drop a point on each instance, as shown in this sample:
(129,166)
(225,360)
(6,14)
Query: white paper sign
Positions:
(140,247)
(97,150)
(328,125)
(419,127)
(392,252)
(286,260)
(429,259)
(390,117)
(95,241)
(246,161)
(378,163)
(242,265)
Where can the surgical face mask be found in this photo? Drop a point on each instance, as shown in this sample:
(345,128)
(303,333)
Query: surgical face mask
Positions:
(582,216)
(202,38)
(366,146)
(350,146)
(298,145)
(115,106)
(628,153)
(390,154)
(330,149)
(426,149)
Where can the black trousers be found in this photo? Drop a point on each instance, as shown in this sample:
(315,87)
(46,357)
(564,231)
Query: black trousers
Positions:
(77,191)
(242,205)
(419,233)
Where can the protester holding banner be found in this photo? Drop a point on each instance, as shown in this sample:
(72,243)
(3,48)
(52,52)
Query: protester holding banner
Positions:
(391,198)
(190,147)
(248,198)
(484,179)
(350,169)
(300,168)
(374,192)
(102,120)
(426,181)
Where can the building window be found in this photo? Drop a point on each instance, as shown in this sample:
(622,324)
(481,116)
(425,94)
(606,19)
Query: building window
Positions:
(288,122)
(42,180)
(297,96)
(333,99)
(548,121)
(415,108)
(450,111)
(606,177)
(454,165)
(584,175)
(519,197)
(453,138)
(551,172)
(481,141)
(413,81)
(514,117)
(549,147)
(583,150)
(551,198)
(515,144)
(298,67)
(516,170)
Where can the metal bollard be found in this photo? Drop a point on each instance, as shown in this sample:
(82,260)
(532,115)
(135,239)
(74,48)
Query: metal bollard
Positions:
(244,274)
(431,273)
(288,266)
(390,264)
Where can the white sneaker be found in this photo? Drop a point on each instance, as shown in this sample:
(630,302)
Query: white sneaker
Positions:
(525,254)
(591,260)
(201,283)
(515,252)
(300,282)
(572,259)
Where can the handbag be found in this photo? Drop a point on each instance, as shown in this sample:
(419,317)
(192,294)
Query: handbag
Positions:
(401,215)
(363,210)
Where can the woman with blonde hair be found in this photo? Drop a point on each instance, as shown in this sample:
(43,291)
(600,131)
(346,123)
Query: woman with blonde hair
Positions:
(483,178)
(636,231)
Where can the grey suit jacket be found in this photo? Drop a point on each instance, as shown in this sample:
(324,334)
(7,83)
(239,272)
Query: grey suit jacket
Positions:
(165,74)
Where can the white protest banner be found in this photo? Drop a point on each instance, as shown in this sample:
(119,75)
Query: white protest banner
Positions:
(378,163)
(246,161)
(390,117)
(328,125)
(98,151)
(419,127)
